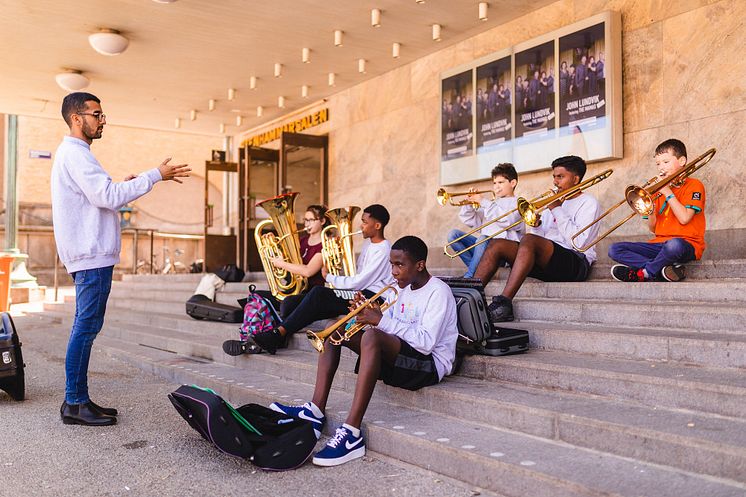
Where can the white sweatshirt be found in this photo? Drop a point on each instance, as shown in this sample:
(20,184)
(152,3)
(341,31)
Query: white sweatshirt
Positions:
(491,209)
(85,204)
(373,269)
(561,223)
(426,319)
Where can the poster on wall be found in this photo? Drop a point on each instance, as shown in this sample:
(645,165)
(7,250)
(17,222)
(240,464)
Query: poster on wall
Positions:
(582,78)
(494,104)
(534,90)
(456,115)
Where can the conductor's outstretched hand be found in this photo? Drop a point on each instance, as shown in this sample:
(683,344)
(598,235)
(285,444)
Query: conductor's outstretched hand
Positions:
(173,172)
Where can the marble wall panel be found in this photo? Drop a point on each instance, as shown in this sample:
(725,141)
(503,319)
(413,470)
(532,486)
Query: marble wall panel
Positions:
(367,100)
(643,77)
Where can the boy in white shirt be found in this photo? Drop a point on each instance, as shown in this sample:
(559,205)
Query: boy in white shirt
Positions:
(322,303)
(504,181)
(411,345)
(547,252)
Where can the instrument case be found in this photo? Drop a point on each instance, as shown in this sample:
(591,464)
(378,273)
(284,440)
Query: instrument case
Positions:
(12,378)
(201,307)
(476,332)
(270,440)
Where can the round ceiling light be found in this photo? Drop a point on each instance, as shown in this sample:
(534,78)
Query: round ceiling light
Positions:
(108,42)
(72,80)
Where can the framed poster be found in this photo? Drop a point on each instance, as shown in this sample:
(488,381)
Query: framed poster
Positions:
(564,97)
(457,116)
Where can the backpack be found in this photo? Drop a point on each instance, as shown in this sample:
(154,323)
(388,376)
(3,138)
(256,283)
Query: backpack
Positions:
(258,315)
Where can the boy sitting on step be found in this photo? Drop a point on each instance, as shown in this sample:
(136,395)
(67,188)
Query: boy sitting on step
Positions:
(678,222)
(411,345)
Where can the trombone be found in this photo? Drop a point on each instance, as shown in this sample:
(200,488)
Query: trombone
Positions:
(336,337)
(641,199)
(444,198)
(488,223)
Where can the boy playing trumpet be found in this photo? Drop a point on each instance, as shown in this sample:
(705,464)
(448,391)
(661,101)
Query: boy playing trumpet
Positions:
(411,345)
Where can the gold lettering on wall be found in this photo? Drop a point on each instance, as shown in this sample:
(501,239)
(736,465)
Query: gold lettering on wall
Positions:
(297,126)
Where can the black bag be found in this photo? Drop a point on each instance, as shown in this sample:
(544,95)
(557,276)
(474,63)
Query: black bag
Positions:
(230,273)
(474,324)
(201,307)
(12,378)
(269,439)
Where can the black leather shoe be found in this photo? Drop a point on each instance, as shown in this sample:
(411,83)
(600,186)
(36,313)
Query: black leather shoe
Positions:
(501,309)
(269,341)
(109,411)
(85,414)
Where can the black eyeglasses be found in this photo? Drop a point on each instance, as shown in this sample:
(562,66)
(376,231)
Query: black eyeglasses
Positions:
(310,220)
(98,115)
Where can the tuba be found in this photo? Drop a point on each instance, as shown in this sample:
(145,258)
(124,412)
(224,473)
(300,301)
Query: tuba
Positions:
(336,250)
(285,244)
(336,337)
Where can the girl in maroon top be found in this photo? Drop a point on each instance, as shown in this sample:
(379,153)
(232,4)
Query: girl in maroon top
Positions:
(310,252)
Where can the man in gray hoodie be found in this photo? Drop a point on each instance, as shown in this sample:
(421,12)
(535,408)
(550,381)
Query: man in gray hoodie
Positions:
(85,202)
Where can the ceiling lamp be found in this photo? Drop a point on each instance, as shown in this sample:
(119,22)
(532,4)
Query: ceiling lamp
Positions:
(177,123)
(332,79)
(252,83)
(482,11)
(436,32)
(108,42)
(72,80)
(231,93)
(278,70)
(304,91)
(420,1)
(193,115)
(306,55)
(361,66)
(164,1)
(239,121)
(211,104)
(281,102)
(259,111)
(221,128)
(375,18)
(395,48)
(337,38)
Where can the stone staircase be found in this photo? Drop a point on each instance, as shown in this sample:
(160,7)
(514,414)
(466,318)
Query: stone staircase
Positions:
(628,389)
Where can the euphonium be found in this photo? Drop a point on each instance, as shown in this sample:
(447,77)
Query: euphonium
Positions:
(286,245)
(333,332)
(336,250)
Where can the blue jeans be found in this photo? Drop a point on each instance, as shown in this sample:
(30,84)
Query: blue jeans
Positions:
(472,256)
(652,257)
(92,288)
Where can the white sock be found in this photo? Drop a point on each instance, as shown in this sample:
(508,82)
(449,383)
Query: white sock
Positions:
(352,429)
(645,272)
(315,410)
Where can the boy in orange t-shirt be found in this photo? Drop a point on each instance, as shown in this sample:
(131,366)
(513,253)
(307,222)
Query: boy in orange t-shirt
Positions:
(678,222)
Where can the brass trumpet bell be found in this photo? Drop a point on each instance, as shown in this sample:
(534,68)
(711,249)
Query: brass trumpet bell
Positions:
(445,198)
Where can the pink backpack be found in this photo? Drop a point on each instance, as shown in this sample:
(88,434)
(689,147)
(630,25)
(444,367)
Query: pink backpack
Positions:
(258,315)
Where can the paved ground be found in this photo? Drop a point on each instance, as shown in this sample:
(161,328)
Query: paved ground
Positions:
(152,451)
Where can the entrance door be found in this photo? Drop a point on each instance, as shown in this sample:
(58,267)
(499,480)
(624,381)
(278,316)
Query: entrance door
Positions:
(260,182)
(303,169)
(220,239)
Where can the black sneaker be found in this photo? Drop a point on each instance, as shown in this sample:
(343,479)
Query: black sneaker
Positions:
(237,347)
(501,309)
(620,272)
(677,272)
(270,341)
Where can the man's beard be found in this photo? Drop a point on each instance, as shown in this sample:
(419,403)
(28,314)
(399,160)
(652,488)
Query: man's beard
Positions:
(92,133)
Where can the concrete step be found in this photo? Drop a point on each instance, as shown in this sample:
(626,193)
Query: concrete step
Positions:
(500,460)
(696,270)
(710,316)
(672,385)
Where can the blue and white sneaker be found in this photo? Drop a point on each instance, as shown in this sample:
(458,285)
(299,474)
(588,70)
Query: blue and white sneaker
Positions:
(303,412)
(341,448)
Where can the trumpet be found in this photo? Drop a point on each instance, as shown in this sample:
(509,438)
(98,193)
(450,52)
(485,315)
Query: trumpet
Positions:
(333,332)
(641,199)
(488,223)
(443,197)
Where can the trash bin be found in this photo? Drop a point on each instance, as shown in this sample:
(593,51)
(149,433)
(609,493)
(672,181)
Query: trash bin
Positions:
(5,268)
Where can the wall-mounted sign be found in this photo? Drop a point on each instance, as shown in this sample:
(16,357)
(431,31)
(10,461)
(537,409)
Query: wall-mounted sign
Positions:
(39,154)
(295,126)
(556,94)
